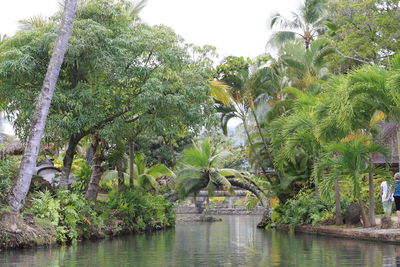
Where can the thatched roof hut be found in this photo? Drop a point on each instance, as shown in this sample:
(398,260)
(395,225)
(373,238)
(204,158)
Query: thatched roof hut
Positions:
(14,148)
(388,137)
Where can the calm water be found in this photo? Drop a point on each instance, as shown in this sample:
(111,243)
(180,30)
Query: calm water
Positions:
(233,242)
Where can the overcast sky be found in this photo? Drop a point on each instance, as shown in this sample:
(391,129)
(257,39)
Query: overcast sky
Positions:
(235,27)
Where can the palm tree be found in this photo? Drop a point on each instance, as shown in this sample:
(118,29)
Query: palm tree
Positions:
(199,168)
(373,92)
(28,163)
(307,24)
(305,68)
(250,87)
(349,160)
(375,89)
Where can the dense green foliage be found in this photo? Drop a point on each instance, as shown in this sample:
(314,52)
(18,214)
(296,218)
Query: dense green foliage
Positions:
(366,30)
(70,217)
(8,172)
(312,115)
(142,211)
(68,213)
(305,208)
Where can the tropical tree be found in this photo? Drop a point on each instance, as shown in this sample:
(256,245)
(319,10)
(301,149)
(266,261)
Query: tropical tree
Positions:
(364,32)
(250,86)
(28,163)
(200,168)
(307,24)
(305,68)
(350,160)
(373,91)
(294,141)
(145,78)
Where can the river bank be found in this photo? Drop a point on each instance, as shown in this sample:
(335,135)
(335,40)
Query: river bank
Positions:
(391,235)
(18,231)
(64,217)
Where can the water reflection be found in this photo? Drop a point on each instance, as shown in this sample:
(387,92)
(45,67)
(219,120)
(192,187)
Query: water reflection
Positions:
(233,242)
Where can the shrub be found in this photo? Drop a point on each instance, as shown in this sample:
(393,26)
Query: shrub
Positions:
(305,208)
(8,172)
(142,211)
(68,212)
(83,172)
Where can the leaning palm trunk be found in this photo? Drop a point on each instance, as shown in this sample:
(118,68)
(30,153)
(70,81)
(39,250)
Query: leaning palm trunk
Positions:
(97,172)
(339,219)
(19,191)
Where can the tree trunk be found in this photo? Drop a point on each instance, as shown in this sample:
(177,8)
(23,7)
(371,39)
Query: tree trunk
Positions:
(68,160)
(97,172)
(121,178)
(260,132)
(247,132)
(339,219)
(131,166)
(19,191)
(365,219)
(371,211)
(90,155)
(251,148)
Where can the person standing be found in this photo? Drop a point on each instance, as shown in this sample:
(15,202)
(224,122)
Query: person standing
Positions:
(387,198)
(396,195)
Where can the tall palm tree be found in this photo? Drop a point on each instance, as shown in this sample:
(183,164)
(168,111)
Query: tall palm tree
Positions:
(20,189)
(307,23)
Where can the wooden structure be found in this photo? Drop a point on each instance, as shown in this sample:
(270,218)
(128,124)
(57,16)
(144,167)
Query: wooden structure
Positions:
(388,137)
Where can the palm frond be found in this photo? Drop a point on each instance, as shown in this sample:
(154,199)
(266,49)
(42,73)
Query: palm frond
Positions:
(148,182)
(279,38)
(33,23)
(220,92)
(159,170)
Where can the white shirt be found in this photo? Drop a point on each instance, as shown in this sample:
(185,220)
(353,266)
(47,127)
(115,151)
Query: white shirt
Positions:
(386,192)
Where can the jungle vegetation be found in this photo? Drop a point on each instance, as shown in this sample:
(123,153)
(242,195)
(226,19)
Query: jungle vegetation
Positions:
(134,104)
